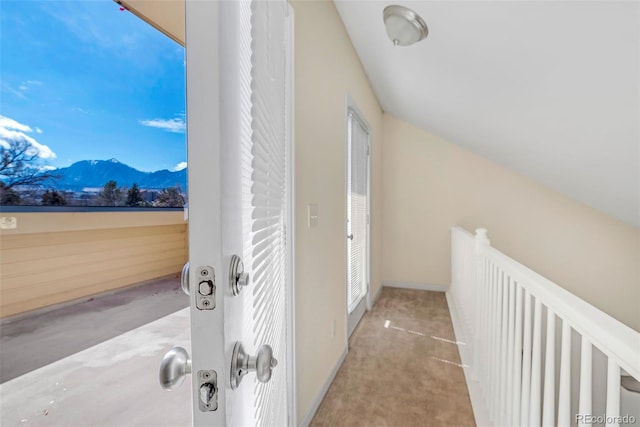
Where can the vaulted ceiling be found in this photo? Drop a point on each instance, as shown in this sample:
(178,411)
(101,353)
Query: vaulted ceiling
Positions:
(549,89)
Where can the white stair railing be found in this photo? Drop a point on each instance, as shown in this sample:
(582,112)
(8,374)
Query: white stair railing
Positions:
(538,355)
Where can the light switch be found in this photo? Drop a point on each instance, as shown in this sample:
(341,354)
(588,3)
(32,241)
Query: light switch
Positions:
(8,222)
(312,215)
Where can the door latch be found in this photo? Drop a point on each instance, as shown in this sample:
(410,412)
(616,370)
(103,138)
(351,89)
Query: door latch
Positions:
(206,289)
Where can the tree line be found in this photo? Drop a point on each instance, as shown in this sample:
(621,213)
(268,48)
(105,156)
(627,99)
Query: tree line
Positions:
(112,195)
(109,195)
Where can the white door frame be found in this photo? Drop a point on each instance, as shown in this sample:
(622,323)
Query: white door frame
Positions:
(290,221)
(209,351)
(351,106)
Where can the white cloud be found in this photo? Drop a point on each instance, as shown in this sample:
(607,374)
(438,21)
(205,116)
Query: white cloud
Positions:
(24,88)
(179,166)
(7,123)
(11,130)
(47,168)
(27,85)
(175,125)
(8,88)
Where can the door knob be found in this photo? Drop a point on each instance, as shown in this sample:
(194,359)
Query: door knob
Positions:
(350,236)
(241,364)
(175,366)
(238,279)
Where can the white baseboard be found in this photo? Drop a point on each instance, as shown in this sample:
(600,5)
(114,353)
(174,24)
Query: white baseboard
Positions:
(480,412)
(325,387)
(418,286)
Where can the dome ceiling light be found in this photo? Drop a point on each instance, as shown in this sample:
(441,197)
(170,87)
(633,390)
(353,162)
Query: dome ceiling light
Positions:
(404,26)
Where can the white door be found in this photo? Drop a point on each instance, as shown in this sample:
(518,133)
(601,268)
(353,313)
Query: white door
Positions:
(357,218)
(238,137)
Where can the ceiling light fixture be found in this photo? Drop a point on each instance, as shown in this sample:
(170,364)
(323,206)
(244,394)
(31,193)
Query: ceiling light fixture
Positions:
(404,26)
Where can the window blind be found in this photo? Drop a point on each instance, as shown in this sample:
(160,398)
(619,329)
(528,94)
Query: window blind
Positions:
(265,177)
(357,206)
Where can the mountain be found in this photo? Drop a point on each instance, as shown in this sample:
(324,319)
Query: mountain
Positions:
(96,173)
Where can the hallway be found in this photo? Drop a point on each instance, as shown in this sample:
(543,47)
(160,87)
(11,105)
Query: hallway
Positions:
(402,369)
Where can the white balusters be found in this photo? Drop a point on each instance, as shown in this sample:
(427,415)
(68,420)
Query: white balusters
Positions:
(549,401)
(497,345)
(479,302)
(517,362)
(584,405)
(487,327)
(486,354)
(507,328)
(503,347)
(564,391)
(491,338)
(536,356)
(481,242)
(526,361)
(495,295)
(508,389)
(613,393)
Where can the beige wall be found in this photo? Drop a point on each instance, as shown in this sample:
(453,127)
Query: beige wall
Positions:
(56,257)
(431,184)
(326,69)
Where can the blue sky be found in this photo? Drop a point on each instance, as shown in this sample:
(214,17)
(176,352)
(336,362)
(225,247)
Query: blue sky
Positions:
(82,80)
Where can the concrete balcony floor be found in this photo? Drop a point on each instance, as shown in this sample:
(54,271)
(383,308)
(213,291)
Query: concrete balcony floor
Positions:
(96,362)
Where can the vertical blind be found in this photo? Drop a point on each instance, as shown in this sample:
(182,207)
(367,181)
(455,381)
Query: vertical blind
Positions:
(357,210)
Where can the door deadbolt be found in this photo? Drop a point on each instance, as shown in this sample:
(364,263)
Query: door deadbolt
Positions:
(184,279)
(176,365)
(241,364)
(207,391)
(238,279)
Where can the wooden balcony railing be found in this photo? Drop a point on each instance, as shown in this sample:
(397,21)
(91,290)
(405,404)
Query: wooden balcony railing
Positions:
(58,256)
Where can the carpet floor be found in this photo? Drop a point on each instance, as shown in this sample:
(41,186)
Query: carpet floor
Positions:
(402,369)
